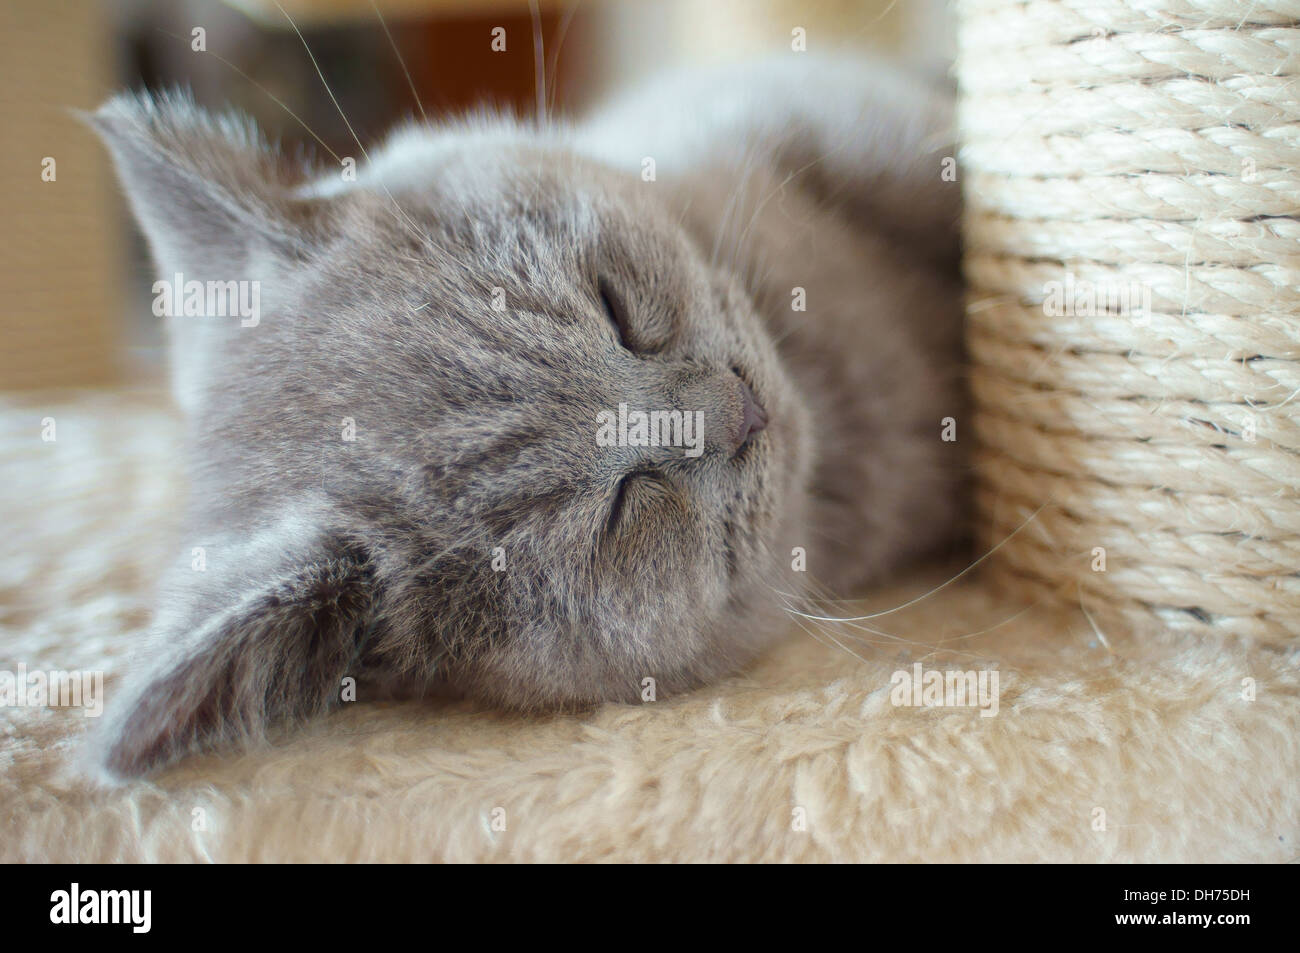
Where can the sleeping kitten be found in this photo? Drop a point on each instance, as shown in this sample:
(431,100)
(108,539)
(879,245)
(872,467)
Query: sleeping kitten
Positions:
(397,465)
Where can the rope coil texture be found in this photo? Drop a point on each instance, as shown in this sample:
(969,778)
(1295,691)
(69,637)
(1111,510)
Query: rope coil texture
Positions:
(1131,171)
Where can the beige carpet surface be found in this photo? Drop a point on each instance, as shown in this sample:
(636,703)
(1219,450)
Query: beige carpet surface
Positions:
(1111,748)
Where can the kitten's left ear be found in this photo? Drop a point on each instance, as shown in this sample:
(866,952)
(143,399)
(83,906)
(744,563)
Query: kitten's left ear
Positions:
(208,191)
(263,635)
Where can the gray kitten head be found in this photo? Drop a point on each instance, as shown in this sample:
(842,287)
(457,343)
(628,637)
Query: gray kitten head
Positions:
(398,470)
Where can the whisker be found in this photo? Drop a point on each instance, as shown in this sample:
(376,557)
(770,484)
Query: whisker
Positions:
(729,208)
(1101,636)
(270,95)
(821,596)
(400,62)
(324,82)
(561,32)
(837,644)
(880,16)
(911,602)
(539,63)
(409,223)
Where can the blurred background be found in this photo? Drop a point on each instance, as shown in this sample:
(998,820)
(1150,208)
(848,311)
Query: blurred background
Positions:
(74,274)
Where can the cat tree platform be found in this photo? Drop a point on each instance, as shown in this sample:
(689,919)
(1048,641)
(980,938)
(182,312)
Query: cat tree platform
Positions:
(1141,750)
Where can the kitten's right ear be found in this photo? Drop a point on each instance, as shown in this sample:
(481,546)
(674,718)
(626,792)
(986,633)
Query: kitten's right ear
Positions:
(208,191)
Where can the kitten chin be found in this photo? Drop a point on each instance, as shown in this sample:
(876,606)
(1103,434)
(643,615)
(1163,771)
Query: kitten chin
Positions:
(396,473)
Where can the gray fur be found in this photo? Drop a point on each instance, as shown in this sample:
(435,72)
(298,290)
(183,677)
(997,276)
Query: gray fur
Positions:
(373,558)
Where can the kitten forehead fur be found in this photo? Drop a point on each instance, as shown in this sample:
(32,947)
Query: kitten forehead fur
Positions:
(394,472)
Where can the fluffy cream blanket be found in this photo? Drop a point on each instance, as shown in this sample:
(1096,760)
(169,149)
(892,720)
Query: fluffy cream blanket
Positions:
(1103,747)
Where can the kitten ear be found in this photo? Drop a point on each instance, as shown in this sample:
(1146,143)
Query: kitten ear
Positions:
(207,190)
(253,642)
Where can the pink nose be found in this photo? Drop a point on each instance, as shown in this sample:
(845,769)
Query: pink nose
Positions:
(753,417)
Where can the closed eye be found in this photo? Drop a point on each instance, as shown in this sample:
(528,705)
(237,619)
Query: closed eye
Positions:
(619,503)
(616,311)
(631,483)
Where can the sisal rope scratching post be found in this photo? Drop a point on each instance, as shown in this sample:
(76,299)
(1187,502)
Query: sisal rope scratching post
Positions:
(1131,171)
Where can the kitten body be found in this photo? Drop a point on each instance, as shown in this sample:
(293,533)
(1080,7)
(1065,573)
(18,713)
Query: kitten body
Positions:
(395,473)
